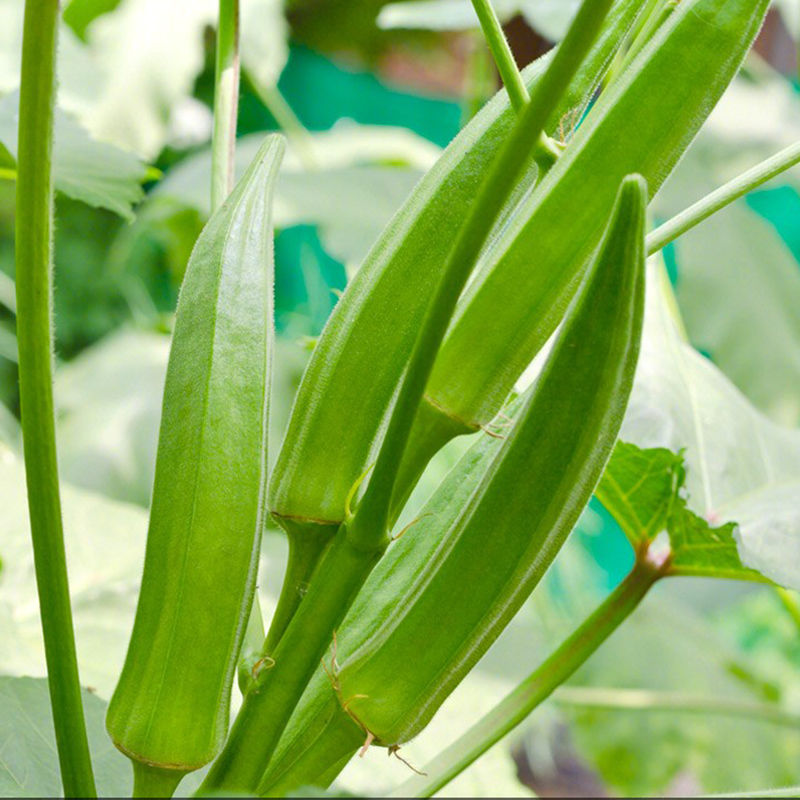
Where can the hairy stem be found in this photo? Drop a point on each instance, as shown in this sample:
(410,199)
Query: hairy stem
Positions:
(501,52)
(34,225)
(538,686)
(226,102)
(723,196)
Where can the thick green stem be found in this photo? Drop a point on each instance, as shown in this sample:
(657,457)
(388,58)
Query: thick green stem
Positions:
(34,224)
(538,686)
(149,781)
(226,102)
(369,525)
(725,195)
(269,704)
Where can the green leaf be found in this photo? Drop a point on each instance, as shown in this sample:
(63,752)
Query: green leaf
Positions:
(740,466)
(643,491)
(28,760)
(94,172)
(699,549)
(639,488)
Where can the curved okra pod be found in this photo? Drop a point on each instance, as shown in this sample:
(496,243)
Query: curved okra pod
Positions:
(643,123)
(356,365)
(169,712)
(488,534)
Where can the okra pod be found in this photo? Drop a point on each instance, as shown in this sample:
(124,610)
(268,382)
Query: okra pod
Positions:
(642,123)
(169,712)
(353,372)
(488,534)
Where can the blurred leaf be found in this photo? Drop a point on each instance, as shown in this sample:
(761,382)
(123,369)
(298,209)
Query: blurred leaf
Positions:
(94,172)
(150,53)
(665,646)
(105,542)
(550,18)
(79,13)
(109,409)
(79,79)
(29,763)
(10,431)
(740,466)
(737,284)
(364,173)
(105,547)
(263,43)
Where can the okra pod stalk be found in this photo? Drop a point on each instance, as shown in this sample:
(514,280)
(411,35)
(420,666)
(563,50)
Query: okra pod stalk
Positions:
(354,370)
(539,685)
(478,551)
(33,257)
(169,712)
(643,123)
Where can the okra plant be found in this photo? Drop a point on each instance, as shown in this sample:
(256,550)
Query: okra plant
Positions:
(526,243)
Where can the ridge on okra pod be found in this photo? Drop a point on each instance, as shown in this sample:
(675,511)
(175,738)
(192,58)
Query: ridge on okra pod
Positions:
(169,712)
(510,503)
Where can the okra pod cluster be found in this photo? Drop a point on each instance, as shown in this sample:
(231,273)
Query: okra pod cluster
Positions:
(169,712)
(509,504)
(355,367)
(642,123)
(533,265)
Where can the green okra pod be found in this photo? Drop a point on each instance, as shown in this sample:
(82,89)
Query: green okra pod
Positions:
(353,372)
(642,123)
(488,534)
(169,712)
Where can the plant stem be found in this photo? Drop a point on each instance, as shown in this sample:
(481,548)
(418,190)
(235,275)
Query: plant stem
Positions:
(546,151)
(34,225)
(226,102)
(370,522)
(538,686)
(269,704)
(503,57)
(681,702)
(789,601)
(723,196)
(289,123)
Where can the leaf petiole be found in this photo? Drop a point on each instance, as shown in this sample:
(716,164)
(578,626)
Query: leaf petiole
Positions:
(723,196)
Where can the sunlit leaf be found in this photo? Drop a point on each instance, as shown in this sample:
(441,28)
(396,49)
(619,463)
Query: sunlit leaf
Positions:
(28,759)
(94,172)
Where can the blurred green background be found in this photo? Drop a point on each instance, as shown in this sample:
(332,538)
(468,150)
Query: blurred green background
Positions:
(366,108)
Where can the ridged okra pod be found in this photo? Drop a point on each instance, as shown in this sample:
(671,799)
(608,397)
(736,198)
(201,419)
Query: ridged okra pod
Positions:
(169,712)
(487,535)
(642,123)
(360,356)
